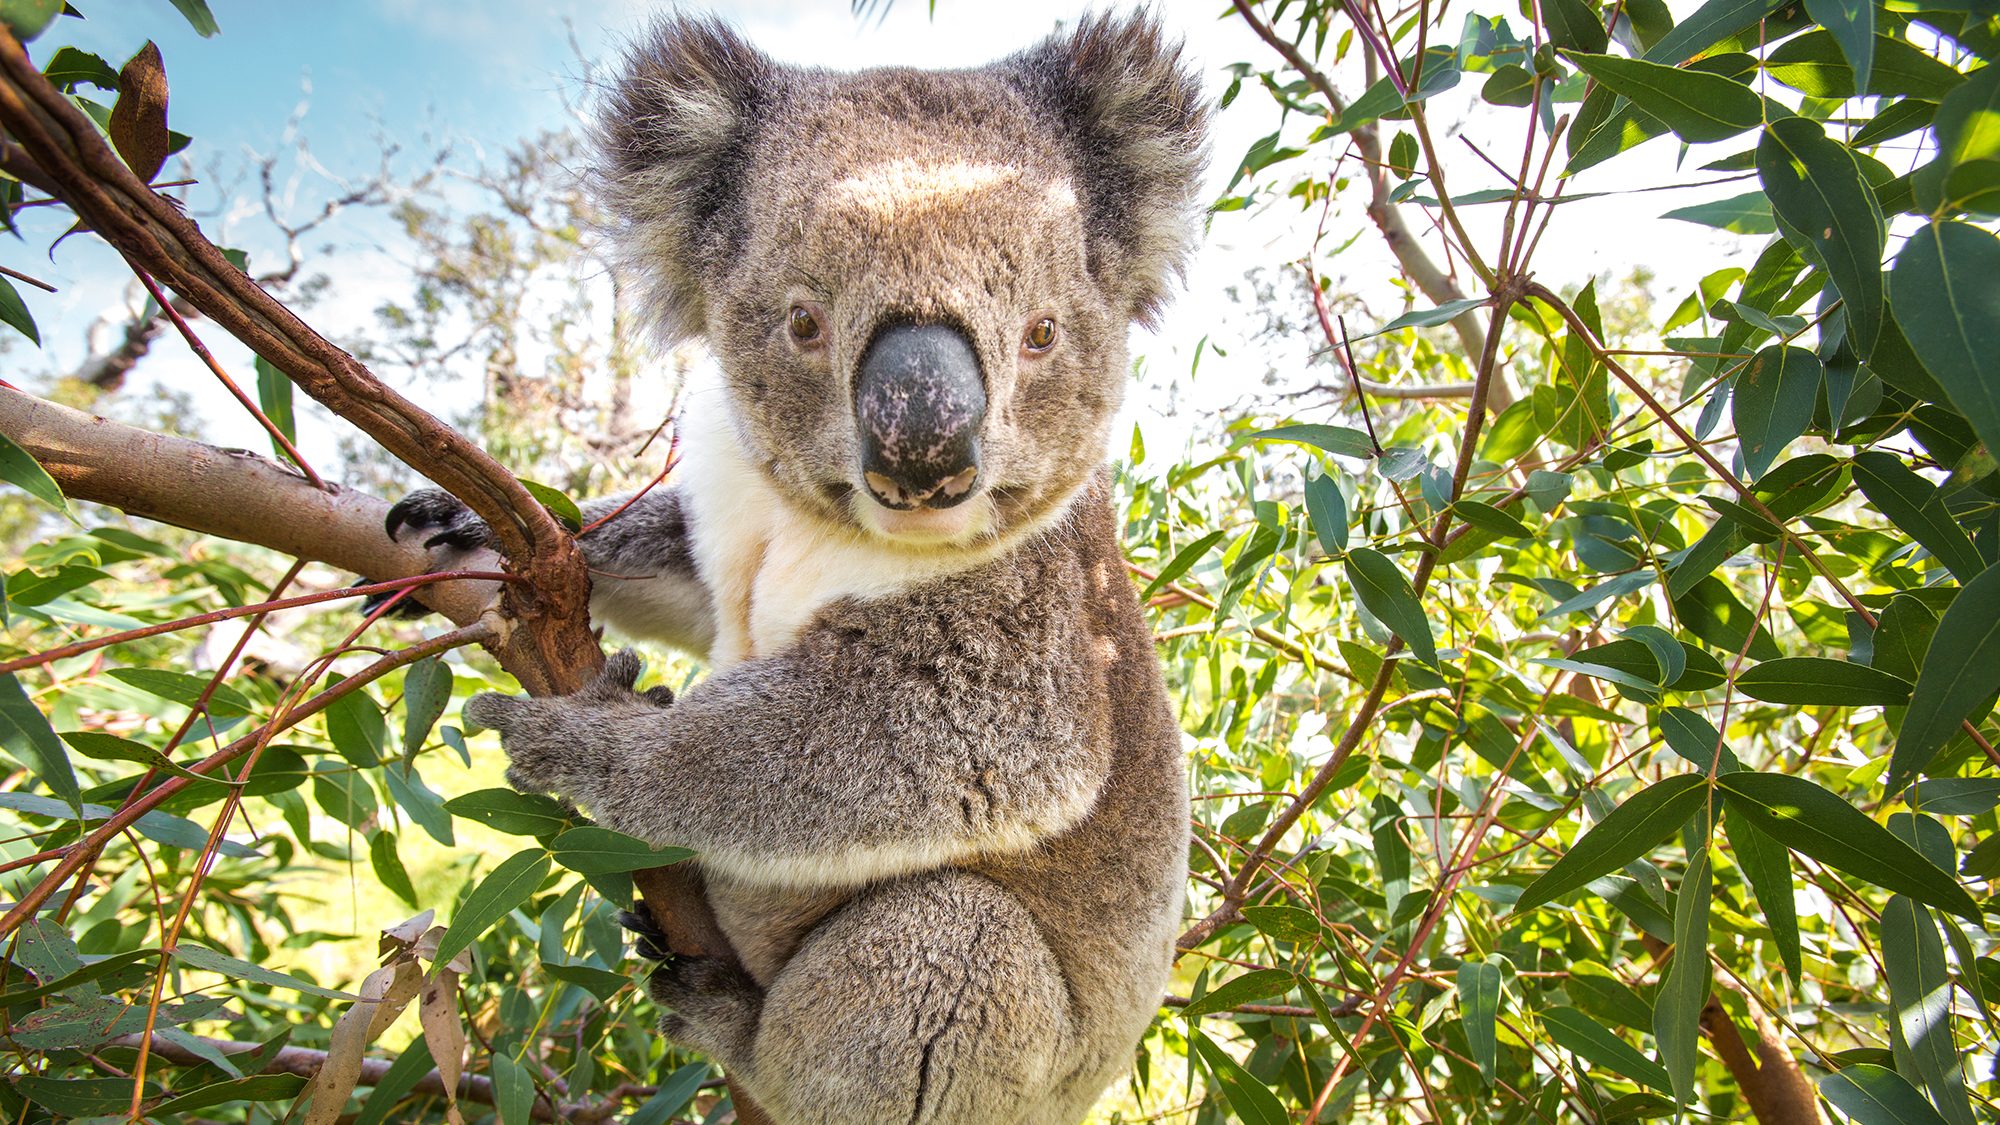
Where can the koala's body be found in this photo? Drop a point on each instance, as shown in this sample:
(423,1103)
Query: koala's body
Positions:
(933,779)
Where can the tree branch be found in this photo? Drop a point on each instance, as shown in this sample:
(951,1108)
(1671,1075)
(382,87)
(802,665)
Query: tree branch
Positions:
(1388,218)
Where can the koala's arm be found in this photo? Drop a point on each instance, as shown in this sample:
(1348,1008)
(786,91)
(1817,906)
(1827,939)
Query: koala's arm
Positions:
(832,763)
(643,582)
(643,579)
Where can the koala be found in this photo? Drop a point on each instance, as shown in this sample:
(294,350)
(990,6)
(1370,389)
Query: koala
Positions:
(932,777)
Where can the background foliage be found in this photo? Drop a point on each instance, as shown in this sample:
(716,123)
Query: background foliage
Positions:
(1588,695)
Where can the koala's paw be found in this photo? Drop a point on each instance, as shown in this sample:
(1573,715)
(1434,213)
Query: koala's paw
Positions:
(648,941)
(449,532)
(712,1005)
(540,735)
(440,518)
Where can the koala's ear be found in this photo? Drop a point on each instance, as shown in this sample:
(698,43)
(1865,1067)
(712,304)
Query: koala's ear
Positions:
(673,135)
(1131,113)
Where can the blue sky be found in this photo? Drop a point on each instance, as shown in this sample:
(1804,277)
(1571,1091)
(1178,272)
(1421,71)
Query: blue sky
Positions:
(489,73)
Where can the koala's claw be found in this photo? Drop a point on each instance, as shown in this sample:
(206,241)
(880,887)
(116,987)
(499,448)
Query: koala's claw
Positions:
(614,682)
(648,941)
(451,523)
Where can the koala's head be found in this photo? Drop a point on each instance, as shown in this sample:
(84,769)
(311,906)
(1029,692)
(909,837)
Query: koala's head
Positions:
(917,283)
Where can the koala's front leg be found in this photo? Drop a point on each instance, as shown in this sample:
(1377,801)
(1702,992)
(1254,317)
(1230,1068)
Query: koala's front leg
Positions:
(550,741)
(841,761)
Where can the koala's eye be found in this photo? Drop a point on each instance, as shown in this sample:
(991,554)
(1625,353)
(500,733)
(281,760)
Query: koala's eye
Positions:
(804,324)
(1041,335)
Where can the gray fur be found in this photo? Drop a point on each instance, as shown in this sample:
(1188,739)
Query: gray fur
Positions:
(944,821)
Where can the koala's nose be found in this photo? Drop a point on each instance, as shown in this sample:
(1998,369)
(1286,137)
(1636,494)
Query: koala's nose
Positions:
(920,402)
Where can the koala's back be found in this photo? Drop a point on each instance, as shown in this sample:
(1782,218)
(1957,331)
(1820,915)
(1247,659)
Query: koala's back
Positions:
(1105,897)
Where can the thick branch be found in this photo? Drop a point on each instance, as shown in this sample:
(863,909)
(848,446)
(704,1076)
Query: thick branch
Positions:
(229,493)
(67,151)
(1771,1080)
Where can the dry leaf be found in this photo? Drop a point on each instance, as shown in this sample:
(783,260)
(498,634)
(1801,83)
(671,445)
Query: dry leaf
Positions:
(139,118)
(384,995)
(444,1034)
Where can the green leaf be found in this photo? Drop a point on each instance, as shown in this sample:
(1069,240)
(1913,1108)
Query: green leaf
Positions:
(22,471)
(1920,1002)
(1697,741)
(29,18)
(1817,681)
(1876,1095)
(513,1090)
(69,66)
(676,1093)
(1251,1100)
(26,733)
(1967,128)
(1958,796)
(255,1088)
(1387,594)
(426,808)
(601,983)
(1708,25)
(355,726)
(389,866)
(1489,518)
(1572,23)
(1599,1046)
(504,888)
(1258,984)
(184,689)
(559,505)
(1712,612)
(1183,559)
(274,398)
(1510,85)
(1479,1002)
(1817,63)
(1428,318)
(198,16)
(1916,507)
(1684,992)
(426,692)
(103,747)
(1334,439)
(343,794)
(1773,404)
(1697,106)
(1852,23)
(1806,818)
(1286,923)
(1768,866)
(1749,213)
(517,814)
(590,850)
(14,312)
(1828,212)
(1960,670)
(1327,507)
(1950,313)
(1630,831)
(202,957)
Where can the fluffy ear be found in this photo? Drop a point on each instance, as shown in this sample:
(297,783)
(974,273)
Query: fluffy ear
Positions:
(1131,114)
(672,141)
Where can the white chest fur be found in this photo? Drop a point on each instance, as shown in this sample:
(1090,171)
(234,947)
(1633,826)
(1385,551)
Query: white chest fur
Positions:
(769,567)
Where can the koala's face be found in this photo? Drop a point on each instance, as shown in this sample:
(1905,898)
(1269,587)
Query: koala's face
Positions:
(917,283)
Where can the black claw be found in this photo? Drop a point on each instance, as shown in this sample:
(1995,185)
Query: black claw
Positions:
(650,943)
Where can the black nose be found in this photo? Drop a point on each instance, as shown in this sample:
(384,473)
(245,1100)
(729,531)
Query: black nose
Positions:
(920,402)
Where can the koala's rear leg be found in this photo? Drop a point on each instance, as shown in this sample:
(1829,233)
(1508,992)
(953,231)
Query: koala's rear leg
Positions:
(931,1000)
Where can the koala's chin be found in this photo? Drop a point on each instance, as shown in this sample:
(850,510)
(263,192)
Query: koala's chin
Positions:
(970,523)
